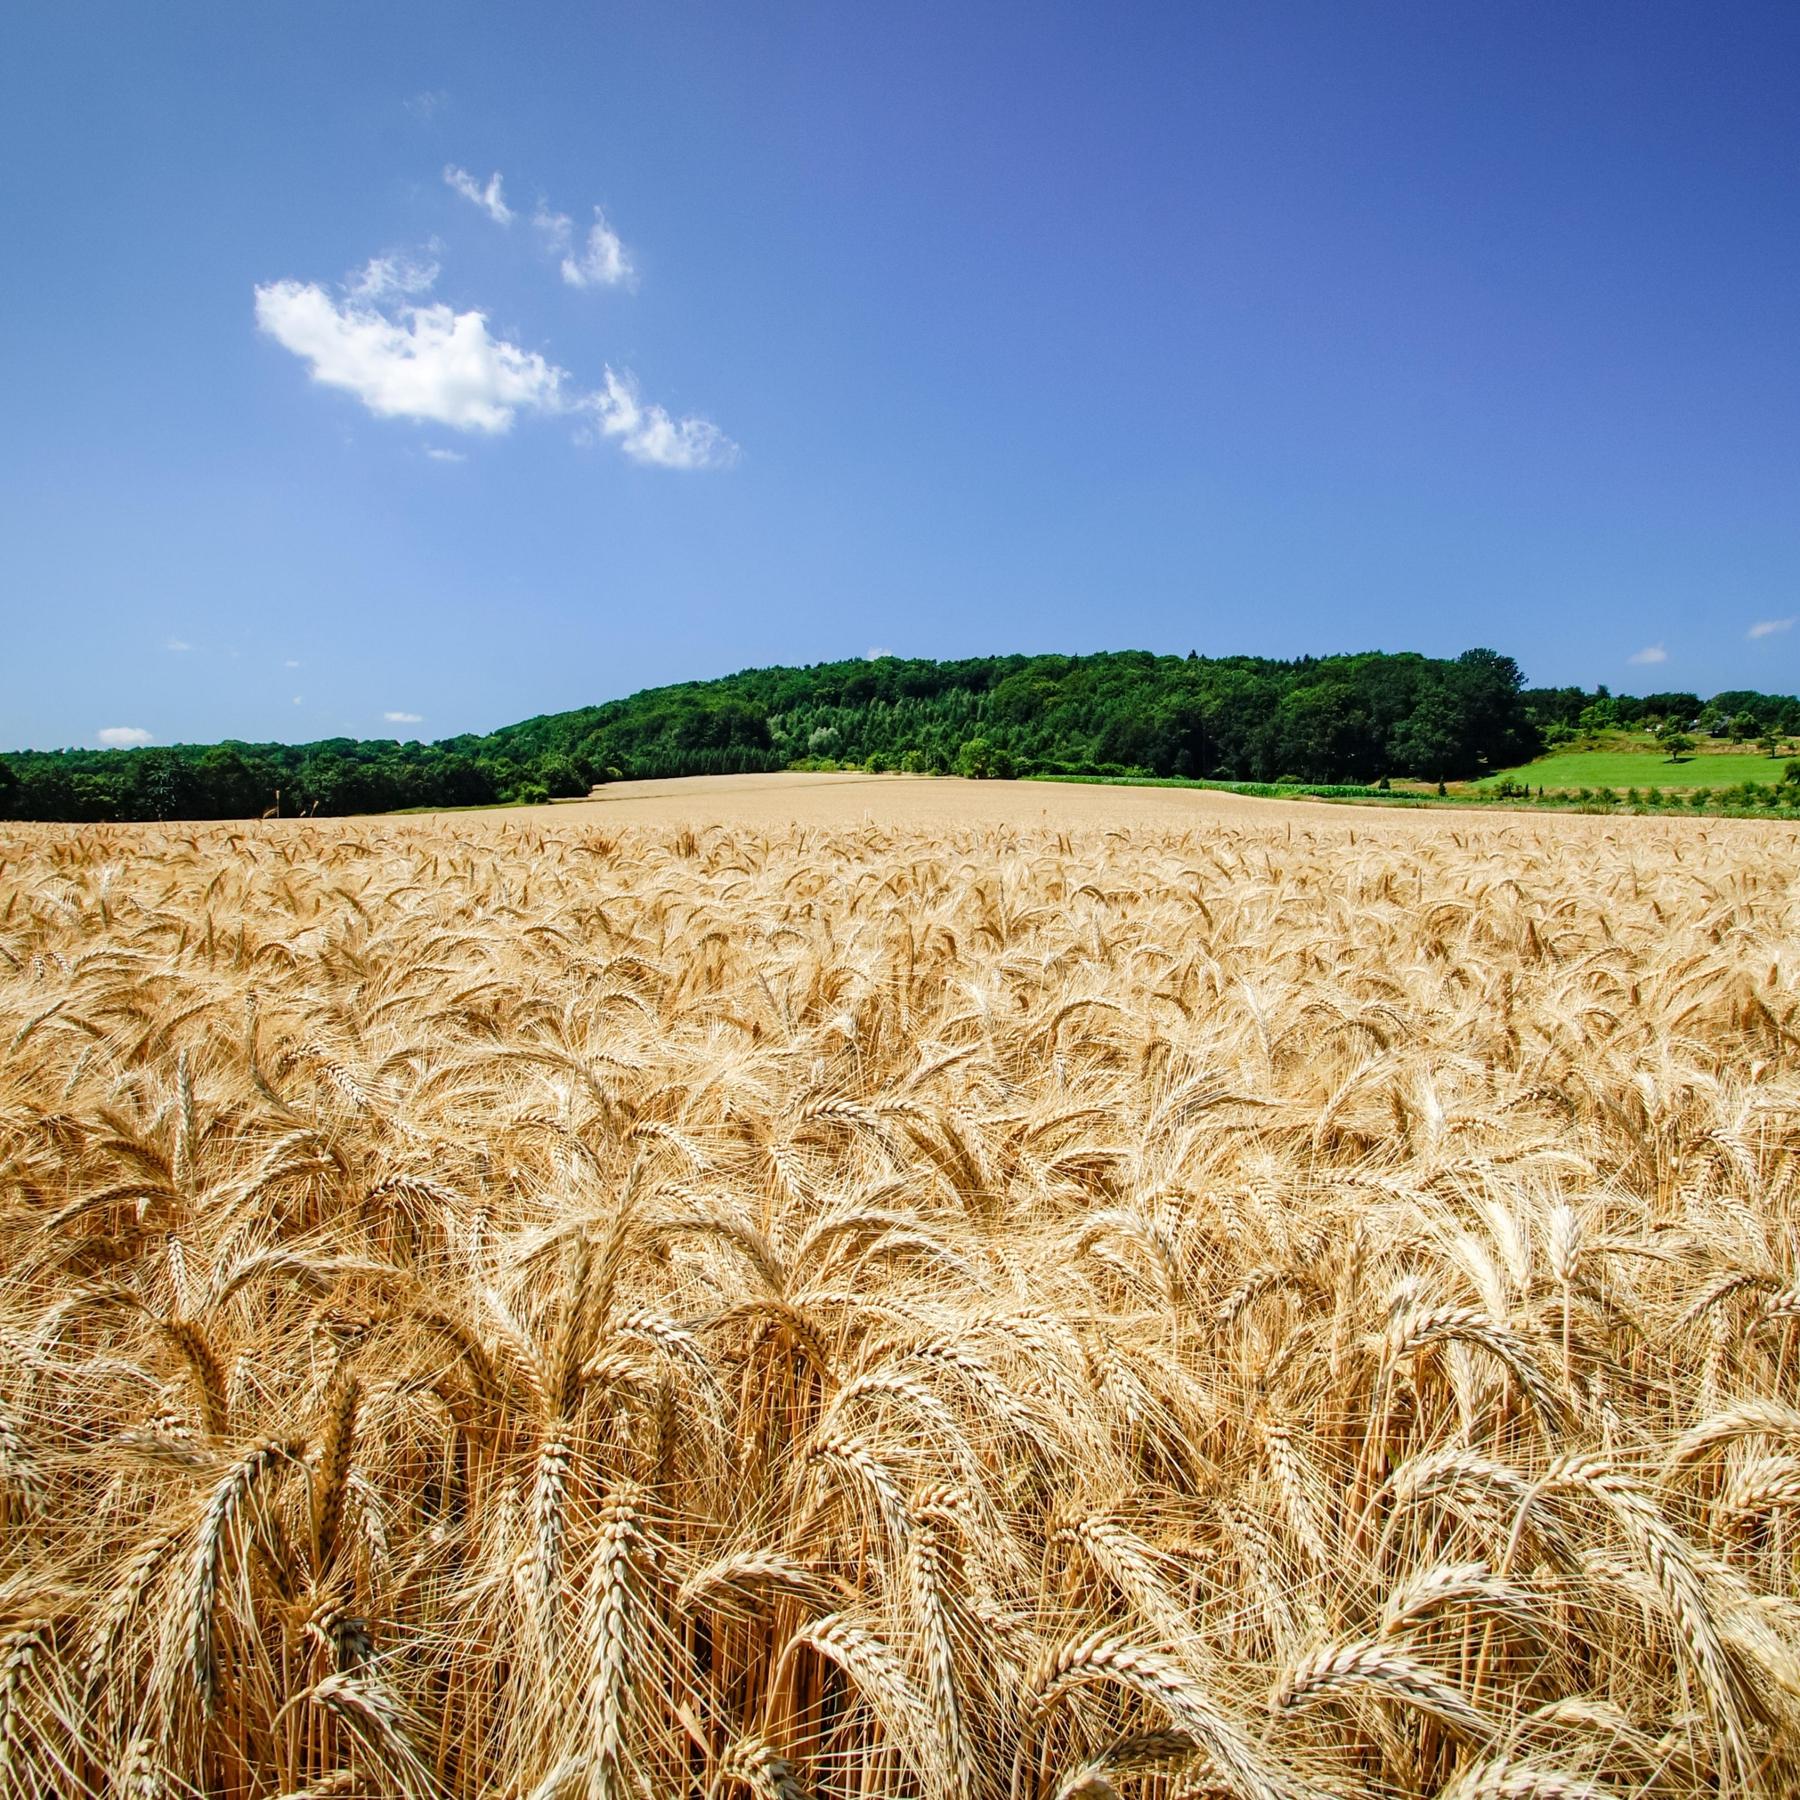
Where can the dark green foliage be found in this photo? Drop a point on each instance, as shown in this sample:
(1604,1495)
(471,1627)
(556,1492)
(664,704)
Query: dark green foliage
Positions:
(1334,720)
(236,781)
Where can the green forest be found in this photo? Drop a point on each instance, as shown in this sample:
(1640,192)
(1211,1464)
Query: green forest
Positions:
(1353,719)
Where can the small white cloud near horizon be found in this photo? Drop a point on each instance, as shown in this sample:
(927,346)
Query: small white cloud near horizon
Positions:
(404,718)
(178,645)
(604,261)
(876,652)
(123,737)
(429,363)
(1651,653)
(647,434)
(440,455)
(392,277)
(491,199)
(1768,627)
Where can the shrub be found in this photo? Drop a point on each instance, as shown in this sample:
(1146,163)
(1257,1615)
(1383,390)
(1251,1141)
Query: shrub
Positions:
(981,761)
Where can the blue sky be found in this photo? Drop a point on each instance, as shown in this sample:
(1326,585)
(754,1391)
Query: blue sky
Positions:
(939,329)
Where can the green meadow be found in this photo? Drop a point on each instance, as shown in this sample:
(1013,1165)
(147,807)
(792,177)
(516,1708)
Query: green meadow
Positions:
(1621,769)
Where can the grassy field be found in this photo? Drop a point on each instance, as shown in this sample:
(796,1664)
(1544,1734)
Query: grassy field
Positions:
(1173,1295)
(1622,769)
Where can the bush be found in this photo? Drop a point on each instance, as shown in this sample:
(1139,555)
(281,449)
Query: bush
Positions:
(981,761)
(559,777)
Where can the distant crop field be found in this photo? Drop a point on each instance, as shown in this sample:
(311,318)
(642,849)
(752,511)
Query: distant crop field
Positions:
(1622,769)
(1250,1302)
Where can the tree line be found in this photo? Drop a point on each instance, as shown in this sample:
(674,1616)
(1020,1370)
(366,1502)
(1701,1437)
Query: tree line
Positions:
(1339,719)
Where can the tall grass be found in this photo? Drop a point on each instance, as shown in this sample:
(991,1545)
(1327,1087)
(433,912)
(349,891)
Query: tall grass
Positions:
(504,1310)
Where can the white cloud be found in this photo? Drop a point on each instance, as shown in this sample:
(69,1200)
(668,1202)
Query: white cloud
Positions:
(392,277)
(123,737)
(426,106)
(404,718)
(1768,627)
(491,199)
(647,434)
(603,262)
(291,663)
(876,652)
(428,363)
(178,645)
(298,698)
(1651,653)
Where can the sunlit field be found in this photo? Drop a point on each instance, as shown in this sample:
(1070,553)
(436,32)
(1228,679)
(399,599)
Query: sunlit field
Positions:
(1146,1297)
(1640,769)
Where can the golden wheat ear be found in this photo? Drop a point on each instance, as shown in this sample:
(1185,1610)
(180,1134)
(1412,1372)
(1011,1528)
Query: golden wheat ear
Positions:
(930,1310)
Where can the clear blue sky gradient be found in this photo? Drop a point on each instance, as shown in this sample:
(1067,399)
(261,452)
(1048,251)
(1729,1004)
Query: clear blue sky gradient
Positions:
(1233,327)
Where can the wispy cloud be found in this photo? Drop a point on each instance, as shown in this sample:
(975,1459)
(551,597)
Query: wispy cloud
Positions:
(647,433)
(491,199)
(122,737)
(1768,627)
(428,363)
(299,699)
(443,367)
(394,276)
(1651,653)
(291,663)
(404,357)
(404,718)
(178,645)
(876,652)
(426,106)
(603,260)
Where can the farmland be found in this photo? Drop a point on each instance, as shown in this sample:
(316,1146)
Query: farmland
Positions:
(883,1288)
(1568,770)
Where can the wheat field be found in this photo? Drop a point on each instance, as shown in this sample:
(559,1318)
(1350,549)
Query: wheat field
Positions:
(524,1307)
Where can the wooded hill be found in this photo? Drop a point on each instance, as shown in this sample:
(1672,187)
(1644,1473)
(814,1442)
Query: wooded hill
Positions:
(1352,718)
